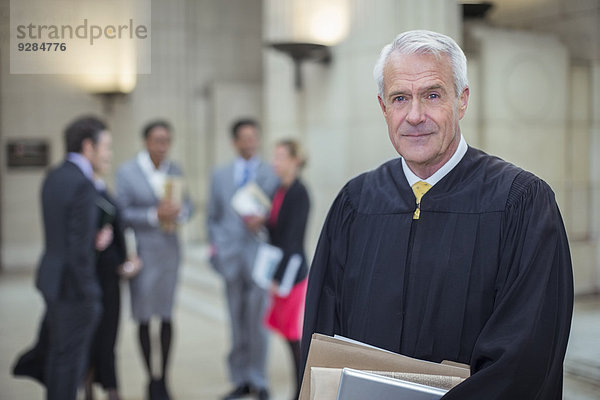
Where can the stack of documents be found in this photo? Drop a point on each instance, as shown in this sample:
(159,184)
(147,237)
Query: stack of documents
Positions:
(338,368)
(251,200)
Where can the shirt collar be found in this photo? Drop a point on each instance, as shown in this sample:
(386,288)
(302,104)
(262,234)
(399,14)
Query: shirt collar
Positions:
(460,152)
(82,163)
(100,184)
(242,162)
(147,165)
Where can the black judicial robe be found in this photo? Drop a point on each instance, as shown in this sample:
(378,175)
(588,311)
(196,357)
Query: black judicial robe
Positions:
(484,277)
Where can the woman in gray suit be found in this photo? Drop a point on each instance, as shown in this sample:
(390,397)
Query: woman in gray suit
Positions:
(147,194)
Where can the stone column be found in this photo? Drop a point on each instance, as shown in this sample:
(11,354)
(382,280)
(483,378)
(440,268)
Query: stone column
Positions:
(595,164)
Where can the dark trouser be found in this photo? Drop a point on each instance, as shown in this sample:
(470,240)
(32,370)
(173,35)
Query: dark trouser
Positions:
(71,325)
(102,353)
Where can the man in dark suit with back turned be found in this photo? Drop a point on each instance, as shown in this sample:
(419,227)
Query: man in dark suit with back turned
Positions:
(66,276)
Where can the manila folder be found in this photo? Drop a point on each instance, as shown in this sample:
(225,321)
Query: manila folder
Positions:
(330,352)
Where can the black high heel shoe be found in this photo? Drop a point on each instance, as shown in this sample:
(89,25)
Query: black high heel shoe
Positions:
(154,392)
(164,393)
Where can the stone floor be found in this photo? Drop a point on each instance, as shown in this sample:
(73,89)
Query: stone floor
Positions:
(201,341)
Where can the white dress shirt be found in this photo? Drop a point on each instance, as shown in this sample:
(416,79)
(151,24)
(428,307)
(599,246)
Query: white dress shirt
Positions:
(460,152)
(156,176)
(240,164)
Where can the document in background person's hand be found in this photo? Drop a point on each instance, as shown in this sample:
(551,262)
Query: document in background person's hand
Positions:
(173,192)
(174,189)
(251,200)
(289,275)
(133,264)
(107,212)
(267,259)
(130,243)
(265,264)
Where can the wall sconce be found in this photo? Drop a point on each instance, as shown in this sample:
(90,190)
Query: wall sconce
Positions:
(474,9)
(300,52)
(111,75)
(109,87)
(305,30)
(122,83)
(108,69)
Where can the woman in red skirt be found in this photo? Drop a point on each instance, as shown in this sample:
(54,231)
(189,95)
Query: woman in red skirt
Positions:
(286,225)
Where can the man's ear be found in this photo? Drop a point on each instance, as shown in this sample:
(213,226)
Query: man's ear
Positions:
(463,102)
(87,148)
(382,105)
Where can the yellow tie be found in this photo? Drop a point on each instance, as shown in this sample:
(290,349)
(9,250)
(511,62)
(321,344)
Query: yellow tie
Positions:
(419,189)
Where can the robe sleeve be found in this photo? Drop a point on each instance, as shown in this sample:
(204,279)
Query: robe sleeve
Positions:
(320,313)
(520,351)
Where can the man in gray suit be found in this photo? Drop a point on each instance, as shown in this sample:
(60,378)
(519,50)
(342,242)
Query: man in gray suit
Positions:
(234,240)
(147,191)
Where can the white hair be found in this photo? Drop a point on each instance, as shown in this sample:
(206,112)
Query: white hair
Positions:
(425,42)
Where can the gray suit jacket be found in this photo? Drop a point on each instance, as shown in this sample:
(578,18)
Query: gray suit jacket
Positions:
(235,245)
(136,200)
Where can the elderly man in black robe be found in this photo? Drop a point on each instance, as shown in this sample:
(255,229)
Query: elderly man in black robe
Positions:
(446,253)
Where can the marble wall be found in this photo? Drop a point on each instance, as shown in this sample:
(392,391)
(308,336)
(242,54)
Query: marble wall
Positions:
(534,109)
(594,152)
(531,103)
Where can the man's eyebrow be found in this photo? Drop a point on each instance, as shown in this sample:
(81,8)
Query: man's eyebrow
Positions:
(397,93)
(436,86)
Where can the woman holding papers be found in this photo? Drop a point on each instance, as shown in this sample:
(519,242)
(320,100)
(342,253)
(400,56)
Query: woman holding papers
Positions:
(112,263)
(286,225)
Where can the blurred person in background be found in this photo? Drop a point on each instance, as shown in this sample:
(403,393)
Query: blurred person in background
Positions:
(151,198)
(111,264)
(66,276)
(234,241)
(287,227)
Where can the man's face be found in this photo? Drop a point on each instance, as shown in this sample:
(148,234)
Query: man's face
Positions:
(102,154)
(246,142)
(158,143)
(422,110)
